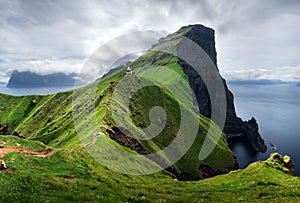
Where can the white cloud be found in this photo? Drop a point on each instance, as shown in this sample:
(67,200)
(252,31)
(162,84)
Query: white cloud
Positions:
(286,73)
(42,67)
(248,33)
(4,77)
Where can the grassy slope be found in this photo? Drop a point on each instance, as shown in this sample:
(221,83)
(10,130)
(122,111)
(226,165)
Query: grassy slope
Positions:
(14,110)
(75,176)
(220,159)
(50,120)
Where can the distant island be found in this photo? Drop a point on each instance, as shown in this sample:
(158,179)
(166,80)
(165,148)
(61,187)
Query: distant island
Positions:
(29,79)
(257,82)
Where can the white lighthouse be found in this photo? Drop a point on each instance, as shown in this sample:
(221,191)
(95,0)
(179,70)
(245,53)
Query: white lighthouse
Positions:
(129,71)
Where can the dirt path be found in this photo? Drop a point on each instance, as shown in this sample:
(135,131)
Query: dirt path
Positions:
(111,90)
(6,150)
(97,133)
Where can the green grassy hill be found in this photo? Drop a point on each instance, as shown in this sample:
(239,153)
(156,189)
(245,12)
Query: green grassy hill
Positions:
(49,119)
(45,124)
(69,176)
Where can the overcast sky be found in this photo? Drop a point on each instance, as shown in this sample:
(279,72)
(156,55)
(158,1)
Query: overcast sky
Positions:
(255,39)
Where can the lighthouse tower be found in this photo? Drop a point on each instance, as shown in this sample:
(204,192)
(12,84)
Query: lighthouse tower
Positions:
(129,71)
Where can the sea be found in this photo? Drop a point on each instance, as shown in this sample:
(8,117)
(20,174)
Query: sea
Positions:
(275,107)
(277,111)
(33,91)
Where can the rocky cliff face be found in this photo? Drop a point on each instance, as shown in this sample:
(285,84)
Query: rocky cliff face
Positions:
(234,125)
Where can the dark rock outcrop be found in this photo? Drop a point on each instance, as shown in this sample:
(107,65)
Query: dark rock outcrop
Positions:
(4,130)
(32,80)
(125,140)
(234,126)
(2,165)
(250,129)
(208,172)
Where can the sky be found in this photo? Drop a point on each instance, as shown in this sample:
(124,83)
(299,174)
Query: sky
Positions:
(254,39)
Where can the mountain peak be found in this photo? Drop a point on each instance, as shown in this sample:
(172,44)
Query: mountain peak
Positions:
(199,34)
(203,36)
(196,28)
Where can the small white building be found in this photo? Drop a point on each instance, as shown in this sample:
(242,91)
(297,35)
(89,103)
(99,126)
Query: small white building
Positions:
(129,71)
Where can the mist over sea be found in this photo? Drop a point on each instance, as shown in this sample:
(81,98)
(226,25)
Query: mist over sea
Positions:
(277,111)
(33,91)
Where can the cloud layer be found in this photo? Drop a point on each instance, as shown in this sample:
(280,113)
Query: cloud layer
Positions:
(48,36)
(286,73)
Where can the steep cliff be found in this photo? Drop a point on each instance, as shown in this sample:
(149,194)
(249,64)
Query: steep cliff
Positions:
(55,126)
(69,173)
(234,125)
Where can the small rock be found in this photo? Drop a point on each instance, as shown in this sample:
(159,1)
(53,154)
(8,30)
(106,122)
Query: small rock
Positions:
(2,165)
(71,176)
(33,102)
(49,119)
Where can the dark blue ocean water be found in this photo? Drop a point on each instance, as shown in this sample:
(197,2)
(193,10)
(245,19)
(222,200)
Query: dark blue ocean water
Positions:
(277,111)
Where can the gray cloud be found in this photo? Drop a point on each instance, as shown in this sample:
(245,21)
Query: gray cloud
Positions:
(249,34)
